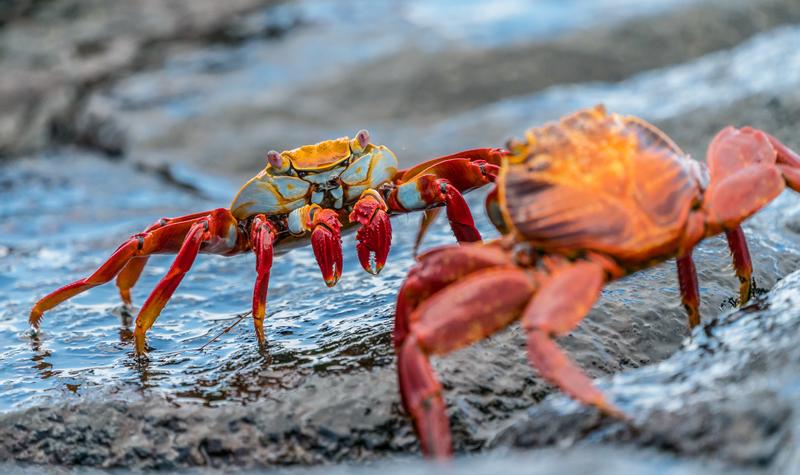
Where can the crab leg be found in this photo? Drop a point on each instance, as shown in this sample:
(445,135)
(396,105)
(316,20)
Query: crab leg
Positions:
(437,269)
(492,156)
(214,230)
(442,184)
(563,300)
(375,234)
(748,168)
(788,162)
(161,240)
(742,263)
(130,274)
(326,238)
(690,293)
(453,318)
(263,236)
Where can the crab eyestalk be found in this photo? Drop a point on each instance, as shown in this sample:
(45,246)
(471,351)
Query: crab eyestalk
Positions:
(375,235)
(360,141)
(276,162)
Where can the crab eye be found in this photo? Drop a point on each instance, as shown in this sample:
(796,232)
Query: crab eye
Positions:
(274,158)
(360,141)
(514,145)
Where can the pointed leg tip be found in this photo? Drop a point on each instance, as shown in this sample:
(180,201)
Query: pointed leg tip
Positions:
(35,318)
(613,411)
(745,293)
(441,456)
(694,320)
(260,338)
(138,344)
(125,295)
(331,281)
(262,342)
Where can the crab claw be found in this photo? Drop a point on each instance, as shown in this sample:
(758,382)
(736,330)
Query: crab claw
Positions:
(375,235)
(326,240)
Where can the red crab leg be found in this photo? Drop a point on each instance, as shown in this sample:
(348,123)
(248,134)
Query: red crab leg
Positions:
(214,230)
(788,162)
(428,217)
(437,269)
(129,274)
(440,182)
(744,178)
(563,300)
(375,234)
(262,236)
(165,239)
(742,263)
(690,293)
(128,277)
(453,318)
(492,156)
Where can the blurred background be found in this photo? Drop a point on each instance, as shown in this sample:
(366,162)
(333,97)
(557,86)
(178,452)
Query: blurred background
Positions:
(216,84)
(115,113)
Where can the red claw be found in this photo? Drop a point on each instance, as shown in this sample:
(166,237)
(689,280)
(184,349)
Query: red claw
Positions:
(375,235)
(326,240)
(458,214)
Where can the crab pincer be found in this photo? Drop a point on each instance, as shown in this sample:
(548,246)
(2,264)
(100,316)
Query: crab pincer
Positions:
(326,240)
(375,235)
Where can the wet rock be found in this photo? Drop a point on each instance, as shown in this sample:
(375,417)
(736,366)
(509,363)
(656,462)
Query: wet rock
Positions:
(731,393)
(222,108)
(412,83)
(55,53)
(689,101)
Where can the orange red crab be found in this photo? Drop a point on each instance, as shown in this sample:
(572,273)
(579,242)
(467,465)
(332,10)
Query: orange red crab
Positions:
(581,202)
(312,191)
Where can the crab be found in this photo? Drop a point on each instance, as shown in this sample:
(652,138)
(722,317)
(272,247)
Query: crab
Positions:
(580,202)
(312,191)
